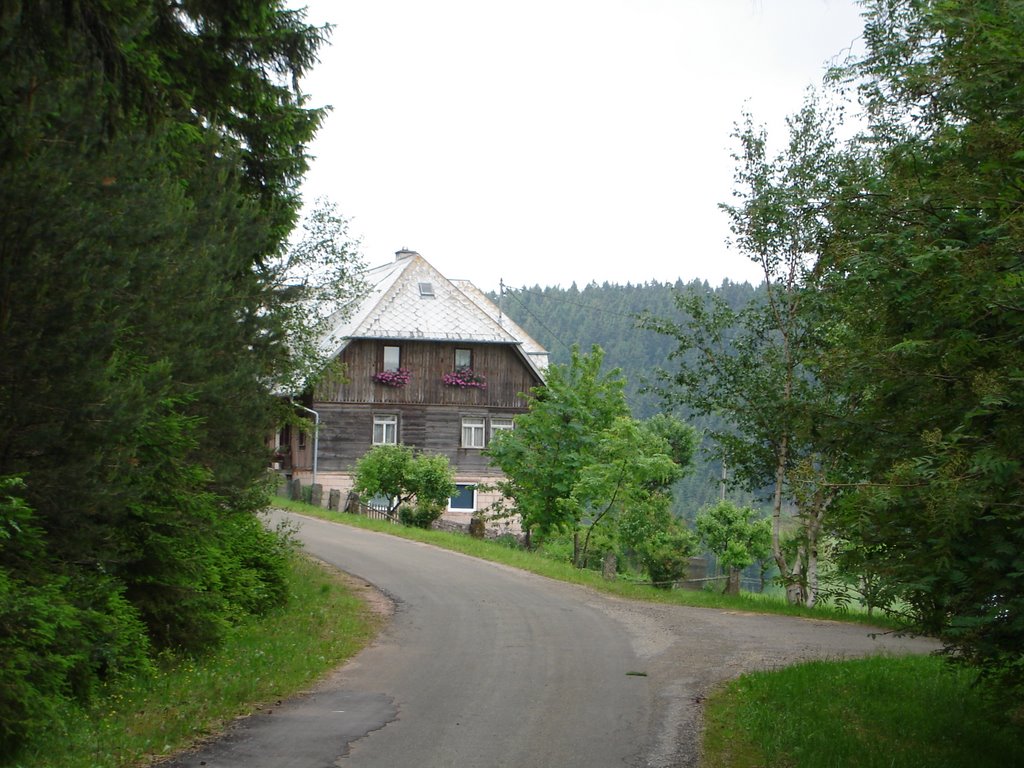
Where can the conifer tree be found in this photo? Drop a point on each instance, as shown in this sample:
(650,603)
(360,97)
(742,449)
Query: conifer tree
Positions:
(150,156)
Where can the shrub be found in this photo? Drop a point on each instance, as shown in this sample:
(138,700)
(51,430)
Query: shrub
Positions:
(35,662)
(418,486)
(254,573)
(60,635)
(193,561)
(418,516)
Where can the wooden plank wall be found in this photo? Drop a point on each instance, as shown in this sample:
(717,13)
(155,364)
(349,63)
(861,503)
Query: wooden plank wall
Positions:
(429,412)
(507,375)
(346,433)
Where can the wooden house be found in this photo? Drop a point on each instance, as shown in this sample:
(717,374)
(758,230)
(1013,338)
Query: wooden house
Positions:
(428,362)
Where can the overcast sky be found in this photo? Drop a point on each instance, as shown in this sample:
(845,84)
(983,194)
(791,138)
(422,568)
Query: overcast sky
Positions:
(546,142)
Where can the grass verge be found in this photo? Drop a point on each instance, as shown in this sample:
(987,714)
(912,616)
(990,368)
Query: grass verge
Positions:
(905,712)
(262,661)
(563,571)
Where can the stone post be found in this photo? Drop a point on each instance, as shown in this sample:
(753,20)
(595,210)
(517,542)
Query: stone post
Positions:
(334,500)
(610,566)
(295,491)
(317,499)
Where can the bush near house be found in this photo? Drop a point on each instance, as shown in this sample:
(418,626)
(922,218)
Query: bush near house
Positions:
(417,486)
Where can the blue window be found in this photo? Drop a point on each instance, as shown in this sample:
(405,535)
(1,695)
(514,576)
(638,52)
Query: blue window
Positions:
(464,498)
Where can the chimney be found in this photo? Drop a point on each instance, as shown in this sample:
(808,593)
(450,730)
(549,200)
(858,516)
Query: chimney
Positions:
(405,253)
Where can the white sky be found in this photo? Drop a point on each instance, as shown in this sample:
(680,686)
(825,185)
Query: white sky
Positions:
(552,141)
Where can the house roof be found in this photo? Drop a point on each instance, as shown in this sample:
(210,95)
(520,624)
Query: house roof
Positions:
(529,346)
(410,299)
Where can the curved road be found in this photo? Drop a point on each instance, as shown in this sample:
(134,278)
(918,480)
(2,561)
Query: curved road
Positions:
(483,666)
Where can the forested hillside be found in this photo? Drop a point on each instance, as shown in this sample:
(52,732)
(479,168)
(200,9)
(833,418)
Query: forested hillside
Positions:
(606,315)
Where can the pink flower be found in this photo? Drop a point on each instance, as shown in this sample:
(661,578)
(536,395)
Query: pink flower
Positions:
(464,378)
(397,378)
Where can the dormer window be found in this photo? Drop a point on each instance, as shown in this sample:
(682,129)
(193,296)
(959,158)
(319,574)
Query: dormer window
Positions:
(426,290)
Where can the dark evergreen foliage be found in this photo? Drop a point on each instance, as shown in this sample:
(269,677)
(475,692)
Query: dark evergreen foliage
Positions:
(923,282)
(149,160)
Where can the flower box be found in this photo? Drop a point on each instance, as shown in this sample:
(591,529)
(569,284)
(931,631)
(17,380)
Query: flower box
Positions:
(397,378)
(464,378)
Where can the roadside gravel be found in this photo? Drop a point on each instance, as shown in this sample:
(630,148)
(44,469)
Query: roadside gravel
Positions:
(688,651)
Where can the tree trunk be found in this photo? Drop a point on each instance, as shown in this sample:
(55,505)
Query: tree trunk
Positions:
(590,530)
(812,579)
(794,587)
(813,527)
(793,591)
(812,513)
(732,586)
(867,591)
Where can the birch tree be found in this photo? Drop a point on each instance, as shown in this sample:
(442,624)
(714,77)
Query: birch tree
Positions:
(750,365)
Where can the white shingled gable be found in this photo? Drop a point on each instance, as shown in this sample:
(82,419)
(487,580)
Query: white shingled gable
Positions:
(534,351)
(410,299)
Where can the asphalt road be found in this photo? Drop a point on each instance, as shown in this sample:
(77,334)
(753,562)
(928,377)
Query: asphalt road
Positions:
(484,666)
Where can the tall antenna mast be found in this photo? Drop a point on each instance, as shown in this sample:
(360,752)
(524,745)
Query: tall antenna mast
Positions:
(501,300)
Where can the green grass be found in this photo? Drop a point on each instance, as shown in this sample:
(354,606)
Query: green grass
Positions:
(263,661)
(906,712)
(563,571)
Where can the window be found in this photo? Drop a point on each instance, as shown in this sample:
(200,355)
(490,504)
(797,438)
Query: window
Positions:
(464,498)
(500,424)
(392,358)
(302,441)
(426,290)
(473,432)
(463,358)
(385,429)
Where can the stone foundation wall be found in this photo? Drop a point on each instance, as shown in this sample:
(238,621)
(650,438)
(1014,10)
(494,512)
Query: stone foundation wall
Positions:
(458,519)
(492,529)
